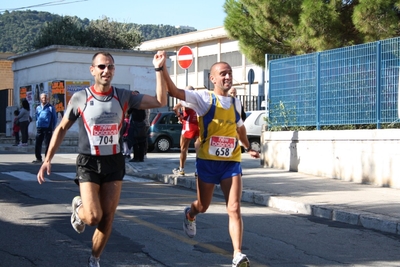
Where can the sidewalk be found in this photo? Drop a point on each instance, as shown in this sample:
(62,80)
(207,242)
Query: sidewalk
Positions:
(368,206)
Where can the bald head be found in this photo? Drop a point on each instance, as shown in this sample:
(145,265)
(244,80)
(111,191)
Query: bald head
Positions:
(221,77)
(217,65)
(232,91)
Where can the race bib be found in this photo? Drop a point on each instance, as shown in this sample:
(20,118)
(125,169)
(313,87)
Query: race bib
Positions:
(105,134)
(222,146)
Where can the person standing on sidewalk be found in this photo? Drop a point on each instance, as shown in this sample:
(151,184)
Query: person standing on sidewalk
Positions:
(16,128)
(137,134)
(190,130)
(24,119)
(219,155)
(126,151)
(233,92)
(100,163)
(46,120)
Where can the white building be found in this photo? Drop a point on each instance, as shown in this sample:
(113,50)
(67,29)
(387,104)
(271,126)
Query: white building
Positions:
(208,47)
(62,70)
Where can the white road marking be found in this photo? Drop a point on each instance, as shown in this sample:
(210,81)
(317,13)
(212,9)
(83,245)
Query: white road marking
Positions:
(26,176)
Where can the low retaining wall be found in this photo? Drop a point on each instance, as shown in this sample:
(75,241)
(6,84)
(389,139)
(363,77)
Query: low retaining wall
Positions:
(362,156)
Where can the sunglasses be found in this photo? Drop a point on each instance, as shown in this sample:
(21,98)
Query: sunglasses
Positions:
(104,66)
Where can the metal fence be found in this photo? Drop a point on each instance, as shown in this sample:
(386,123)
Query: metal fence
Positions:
(345,86)
(250,103)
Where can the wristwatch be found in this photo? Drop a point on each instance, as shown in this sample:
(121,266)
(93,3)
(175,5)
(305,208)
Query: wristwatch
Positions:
(248,149)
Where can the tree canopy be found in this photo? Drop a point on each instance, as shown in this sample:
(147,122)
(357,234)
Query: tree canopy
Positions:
(304,26)
(99,33)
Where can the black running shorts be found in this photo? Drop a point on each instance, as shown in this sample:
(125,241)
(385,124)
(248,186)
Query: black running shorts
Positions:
(100,169)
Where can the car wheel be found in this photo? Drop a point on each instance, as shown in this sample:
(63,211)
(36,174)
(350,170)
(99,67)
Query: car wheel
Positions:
(255,144)
(163,144)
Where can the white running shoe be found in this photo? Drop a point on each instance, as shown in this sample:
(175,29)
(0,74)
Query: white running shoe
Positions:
(93,261)
(76,223)
(189,227)
(240,260)
(178,171)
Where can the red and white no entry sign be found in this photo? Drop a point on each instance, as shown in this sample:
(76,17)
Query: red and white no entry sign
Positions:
(185,57)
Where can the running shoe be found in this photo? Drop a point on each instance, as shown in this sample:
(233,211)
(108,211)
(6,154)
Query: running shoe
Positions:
(37,161)
(76,223)
(189,227)
(93,262)
(178,171)
(240,260)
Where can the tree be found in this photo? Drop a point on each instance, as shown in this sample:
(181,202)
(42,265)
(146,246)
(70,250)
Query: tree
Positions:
(111,34)
(262,26)
(61,31)
(377,19)
(294,27)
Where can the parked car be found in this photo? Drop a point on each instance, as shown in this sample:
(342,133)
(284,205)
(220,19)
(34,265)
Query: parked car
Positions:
(248,113)
(164,132)
(253,125)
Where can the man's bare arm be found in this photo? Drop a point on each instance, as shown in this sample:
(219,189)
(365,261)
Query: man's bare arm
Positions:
(55,142)
(160,99)
(171,87)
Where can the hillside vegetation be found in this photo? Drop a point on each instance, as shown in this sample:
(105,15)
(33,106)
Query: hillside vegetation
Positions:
(19,29)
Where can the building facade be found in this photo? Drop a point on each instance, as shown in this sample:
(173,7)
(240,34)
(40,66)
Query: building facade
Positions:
(60,71)
(208,47)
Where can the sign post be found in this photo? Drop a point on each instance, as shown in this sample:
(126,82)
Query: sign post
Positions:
(250,79)
(185,59)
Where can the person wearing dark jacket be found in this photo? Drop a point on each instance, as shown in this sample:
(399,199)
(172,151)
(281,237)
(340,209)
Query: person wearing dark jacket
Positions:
(138,134)
(46,121)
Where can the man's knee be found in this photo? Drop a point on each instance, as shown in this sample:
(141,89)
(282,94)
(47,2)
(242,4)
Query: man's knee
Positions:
(93,218)
(233,209)
(200,208)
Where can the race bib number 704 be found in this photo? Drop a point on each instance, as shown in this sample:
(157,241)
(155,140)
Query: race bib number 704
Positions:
(104,134)
(222,146)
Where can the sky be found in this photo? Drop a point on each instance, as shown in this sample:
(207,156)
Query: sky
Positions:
(203,14)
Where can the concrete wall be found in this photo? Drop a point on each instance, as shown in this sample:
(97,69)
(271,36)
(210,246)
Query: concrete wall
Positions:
(362,156)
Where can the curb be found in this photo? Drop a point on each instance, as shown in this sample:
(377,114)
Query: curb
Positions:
(339,214)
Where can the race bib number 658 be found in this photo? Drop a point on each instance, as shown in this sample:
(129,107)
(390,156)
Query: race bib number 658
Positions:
(104,134)
(222,146)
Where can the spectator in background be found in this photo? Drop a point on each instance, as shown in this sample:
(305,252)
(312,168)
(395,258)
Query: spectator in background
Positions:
(233,93)
(16,128)
(24,119)
(46,121)
(125,130)
(138,133)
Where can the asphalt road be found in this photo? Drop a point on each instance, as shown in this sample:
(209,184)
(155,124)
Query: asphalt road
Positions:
(35,228)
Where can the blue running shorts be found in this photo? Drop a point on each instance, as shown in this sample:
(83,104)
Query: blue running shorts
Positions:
(213,172)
